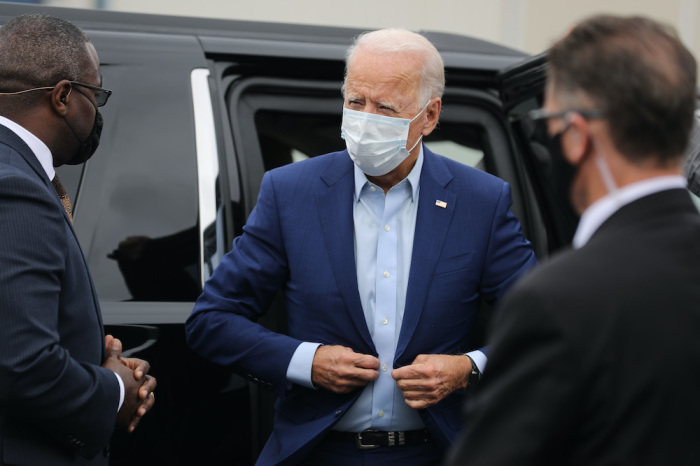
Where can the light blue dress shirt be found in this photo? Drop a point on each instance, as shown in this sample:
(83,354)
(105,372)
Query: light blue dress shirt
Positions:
(384,230)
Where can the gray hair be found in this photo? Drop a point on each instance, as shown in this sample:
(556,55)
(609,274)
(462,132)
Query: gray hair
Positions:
(403,41)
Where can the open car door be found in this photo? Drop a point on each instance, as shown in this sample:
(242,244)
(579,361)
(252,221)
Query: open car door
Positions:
(522,90)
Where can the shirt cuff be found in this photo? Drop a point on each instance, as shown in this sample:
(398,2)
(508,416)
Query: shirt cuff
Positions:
(121,390)
(299,370)
(479,359)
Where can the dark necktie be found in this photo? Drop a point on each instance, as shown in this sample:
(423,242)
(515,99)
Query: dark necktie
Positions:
(63,196)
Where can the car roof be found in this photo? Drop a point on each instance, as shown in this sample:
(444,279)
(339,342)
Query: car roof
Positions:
(269,38)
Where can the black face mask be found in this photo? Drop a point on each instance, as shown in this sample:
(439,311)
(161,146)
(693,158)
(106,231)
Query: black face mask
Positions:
(558,176)
(89,146)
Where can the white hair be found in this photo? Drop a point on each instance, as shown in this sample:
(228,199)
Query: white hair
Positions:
(403,41)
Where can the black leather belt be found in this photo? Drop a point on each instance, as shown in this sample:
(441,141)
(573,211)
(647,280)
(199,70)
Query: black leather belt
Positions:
(369,439)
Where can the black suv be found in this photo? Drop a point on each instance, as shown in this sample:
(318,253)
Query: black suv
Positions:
(201,109)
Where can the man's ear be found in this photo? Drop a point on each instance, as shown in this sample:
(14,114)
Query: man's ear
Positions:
(578,140)
(432,112)
(60,96)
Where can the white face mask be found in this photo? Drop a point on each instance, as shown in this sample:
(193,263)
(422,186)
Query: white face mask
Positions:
(376,143)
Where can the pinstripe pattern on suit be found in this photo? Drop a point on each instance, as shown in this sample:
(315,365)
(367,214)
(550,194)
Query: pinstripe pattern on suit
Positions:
(57,405)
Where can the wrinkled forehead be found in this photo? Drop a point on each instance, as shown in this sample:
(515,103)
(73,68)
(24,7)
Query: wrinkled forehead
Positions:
(399,72)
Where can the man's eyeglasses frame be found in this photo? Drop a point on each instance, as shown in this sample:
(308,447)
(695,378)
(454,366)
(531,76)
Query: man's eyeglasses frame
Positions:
(102,94)
(542,114)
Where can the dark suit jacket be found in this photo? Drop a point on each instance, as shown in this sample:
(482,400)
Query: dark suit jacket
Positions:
(595,356)
(56,403)
(299,238)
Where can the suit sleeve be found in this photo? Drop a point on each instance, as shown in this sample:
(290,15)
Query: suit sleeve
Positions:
(509,253)
(523,403)
(41,385)
(222,327)
(509,256)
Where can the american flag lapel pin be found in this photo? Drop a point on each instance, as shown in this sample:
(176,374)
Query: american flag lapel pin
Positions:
(440,203)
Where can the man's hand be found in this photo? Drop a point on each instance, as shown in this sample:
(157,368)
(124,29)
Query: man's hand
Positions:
(341,370)
(148,385)
(138,385)
(431,377)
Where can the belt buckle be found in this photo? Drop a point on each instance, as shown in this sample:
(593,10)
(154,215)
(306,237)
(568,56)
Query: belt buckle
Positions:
(394,441)
(362,446)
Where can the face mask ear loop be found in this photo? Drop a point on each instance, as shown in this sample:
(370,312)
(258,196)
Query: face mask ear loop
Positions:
(421,136)
(605,173)
(603,169)
(414,145)
(421,111)
(601,165)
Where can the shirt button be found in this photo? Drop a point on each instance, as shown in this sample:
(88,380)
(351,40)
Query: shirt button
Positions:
(384,368)
(372,188)
(381,413)
(386,274)
(387,228)
(385,321)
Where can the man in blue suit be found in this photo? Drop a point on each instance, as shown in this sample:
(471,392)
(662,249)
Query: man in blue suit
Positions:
(383,252)
(63,385)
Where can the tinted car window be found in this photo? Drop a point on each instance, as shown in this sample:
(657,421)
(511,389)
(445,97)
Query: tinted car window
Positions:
(294,121)
(287,137)
(136,210)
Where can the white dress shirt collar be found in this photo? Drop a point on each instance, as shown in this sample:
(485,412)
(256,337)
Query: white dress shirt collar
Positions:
(605,207)
(41,150)
(413,177)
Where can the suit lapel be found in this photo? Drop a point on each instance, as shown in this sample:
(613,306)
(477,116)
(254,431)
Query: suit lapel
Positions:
(336,218)
(8,137)
(436,206)
(14,141)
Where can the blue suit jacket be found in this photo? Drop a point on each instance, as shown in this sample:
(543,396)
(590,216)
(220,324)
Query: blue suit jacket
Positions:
(57,405)
(299,238)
